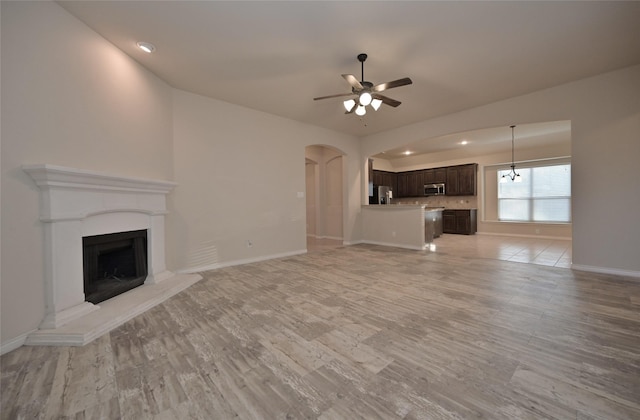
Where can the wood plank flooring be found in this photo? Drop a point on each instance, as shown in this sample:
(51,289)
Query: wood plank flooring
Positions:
(357,332)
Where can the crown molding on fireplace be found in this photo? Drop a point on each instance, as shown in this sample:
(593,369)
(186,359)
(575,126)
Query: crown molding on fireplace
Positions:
(46,175)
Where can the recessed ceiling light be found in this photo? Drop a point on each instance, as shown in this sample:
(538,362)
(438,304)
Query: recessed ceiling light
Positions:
(408,152)
(463,142)
(146,46)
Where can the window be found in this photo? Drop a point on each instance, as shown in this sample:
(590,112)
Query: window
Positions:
(544,195)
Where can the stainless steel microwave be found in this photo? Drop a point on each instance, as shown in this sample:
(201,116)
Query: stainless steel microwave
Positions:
(434,189)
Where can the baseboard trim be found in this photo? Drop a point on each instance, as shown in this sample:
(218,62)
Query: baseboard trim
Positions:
(232,263)
(605,270)
(335,238)
(14,343)
(515,235)
(414,248)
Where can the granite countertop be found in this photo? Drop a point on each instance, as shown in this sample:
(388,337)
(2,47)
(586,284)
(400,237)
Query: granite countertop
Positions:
(404,205)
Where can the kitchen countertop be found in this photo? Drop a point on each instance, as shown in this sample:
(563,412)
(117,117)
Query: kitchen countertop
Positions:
(402,205)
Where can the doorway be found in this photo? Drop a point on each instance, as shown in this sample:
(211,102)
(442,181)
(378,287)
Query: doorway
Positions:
(324,179)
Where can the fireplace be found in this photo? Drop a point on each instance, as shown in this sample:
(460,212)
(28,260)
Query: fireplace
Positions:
(113,264)
(101,232)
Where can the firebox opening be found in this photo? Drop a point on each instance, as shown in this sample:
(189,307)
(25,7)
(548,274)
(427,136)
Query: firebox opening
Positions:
(113,264)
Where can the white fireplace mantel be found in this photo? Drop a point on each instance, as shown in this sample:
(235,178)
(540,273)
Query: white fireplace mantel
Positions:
(75,203)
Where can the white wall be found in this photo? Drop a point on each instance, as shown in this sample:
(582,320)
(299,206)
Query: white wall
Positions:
(334,197)
(69,98)
(239,182)
(605,146)
(311,178)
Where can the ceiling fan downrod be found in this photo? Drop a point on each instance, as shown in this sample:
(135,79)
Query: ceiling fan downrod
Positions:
(362,58)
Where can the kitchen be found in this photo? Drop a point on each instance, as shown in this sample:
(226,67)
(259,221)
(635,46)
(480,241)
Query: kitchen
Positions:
(426,204)
(465,167)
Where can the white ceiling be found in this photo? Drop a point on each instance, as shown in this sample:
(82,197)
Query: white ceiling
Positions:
(488,140)
(277,56)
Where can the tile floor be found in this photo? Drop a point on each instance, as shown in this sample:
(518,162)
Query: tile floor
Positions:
(548,252)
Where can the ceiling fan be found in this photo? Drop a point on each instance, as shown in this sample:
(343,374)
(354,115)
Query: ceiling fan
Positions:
(366,92)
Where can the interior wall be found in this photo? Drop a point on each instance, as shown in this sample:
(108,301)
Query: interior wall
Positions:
(69,98)
(333,225)
(605,121)
(243,183)
(311,179)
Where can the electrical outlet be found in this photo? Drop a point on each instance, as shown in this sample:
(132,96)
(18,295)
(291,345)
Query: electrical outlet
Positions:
(393,233)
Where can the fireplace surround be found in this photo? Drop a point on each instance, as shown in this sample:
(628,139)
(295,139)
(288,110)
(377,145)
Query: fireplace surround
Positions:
(75,204)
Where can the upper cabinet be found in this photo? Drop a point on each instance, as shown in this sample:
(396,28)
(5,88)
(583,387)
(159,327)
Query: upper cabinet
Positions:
(458,180)
(435,175)
(385,178)
(410,184)
(451,186)
(461,180)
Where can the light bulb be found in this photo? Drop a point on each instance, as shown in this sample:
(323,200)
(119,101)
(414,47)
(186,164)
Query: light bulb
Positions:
(349,104)
(365,98)
(518,178)
(375,103)
(503,180)
(360,110)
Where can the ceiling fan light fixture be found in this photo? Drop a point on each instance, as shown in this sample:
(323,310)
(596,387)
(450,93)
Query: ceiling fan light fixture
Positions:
(365,98)
(349,104)
(363,92)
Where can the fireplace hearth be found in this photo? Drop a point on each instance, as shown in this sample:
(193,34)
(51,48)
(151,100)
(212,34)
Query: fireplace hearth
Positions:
(113,263)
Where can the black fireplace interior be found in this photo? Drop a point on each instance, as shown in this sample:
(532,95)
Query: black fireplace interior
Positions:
(113,264)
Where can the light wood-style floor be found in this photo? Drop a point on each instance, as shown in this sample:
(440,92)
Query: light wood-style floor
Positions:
(357,332)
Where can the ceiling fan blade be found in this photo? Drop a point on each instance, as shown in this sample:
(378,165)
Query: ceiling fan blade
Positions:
(353,81)
(389,85)
(386,100)
(337,95)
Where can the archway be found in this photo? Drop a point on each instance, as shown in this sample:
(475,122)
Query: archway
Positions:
(324,178)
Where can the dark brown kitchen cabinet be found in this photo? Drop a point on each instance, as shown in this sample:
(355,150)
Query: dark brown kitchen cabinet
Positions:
(451,186)
(385,178)
(435,175)
(410,184)
(402,181)
(432,224)
(458,180)
(461,179)
(416,184)
(458,221)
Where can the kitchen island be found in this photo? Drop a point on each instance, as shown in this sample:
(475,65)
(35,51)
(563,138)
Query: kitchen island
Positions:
(410,226)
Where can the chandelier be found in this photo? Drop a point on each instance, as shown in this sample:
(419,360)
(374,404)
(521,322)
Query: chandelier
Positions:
(513,175)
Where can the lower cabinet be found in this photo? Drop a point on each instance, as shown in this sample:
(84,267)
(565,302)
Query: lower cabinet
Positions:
(432,224)
(463,222)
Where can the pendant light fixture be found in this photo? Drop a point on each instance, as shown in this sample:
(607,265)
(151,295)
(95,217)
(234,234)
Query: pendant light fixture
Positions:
(515,177)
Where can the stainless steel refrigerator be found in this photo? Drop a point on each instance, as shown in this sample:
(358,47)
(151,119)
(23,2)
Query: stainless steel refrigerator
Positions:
(381,194)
